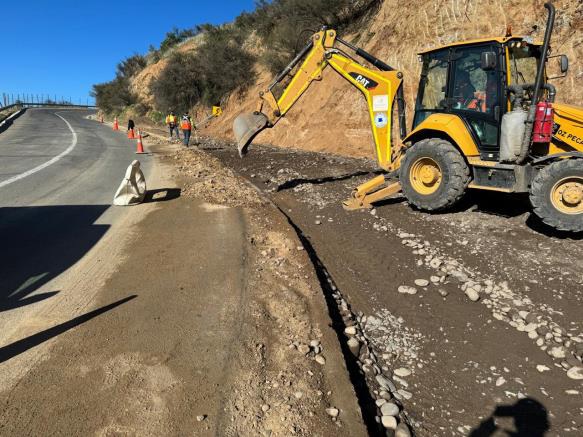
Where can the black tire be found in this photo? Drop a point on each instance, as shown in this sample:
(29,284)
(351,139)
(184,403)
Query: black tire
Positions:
(544,185)
(455,174)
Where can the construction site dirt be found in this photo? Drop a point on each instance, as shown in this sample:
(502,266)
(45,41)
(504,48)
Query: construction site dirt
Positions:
(475,313)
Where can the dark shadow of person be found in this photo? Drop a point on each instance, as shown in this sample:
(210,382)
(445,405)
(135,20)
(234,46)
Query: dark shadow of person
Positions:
(530,420)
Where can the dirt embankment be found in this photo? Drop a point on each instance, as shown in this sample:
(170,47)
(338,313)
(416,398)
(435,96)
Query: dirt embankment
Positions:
(332,116)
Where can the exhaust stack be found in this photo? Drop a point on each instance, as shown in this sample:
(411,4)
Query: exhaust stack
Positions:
(246,127)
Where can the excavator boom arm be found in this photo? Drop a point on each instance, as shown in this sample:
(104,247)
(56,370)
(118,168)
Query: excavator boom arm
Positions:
(380,88)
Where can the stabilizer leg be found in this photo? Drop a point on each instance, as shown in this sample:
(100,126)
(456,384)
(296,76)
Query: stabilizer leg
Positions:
(370,192)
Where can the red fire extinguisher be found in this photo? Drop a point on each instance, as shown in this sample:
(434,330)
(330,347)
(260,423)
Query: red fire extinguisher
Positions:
(543,123)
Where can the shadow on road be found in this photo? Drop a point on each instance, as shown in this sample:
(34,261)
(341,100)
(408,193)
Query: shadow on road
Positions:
(529,416)
(10,351)
(162,195)
(41,242)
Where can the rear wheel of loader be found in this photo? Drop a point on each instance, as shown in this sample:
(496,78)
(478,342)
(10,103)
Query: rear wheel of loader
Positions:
(556,195)
(433,174)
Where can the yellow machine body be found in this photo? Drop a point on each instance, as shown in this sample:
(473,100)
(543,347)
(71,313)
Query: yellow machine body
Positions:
(568,130)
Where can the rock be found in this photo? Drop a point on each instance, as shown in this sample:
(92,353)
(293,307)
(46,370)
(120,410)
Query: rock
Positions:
(421,282)
(332,412)
(557,352)
(406,289)
(304,349)
(385,395)
(380,402)
(472,294)
(298,395)
(500,381)
(389,422)
(265,408)
(575,373)
(532,334)
(435,263)
(315,343)
(402,372)
(318,222)
(354,346)
(200,418)
(402,431)
(401,381)
(443,292)
(351,330)
(531,327)
(405,394)
(542,368)
(572,392)
(320,359)
(386,383)
(435,279)
(389,409)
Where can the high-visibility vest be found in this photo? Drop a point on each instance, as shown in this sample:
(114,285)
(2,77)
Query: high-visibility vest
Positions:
(171,119)
(186,125)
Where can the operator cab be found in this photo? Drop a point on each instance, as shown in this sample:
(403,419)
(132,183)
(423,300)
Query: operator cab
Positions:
(470,80)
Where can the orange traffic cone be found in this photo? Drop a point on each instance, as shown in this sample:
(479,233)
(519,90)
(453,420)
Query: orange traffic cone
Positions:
(115,124)
(140,148)
(131,134)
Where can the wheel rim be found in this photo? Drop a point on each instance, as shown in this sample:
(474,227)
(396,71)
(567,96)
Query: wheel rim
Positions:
(425,176)
(567,195)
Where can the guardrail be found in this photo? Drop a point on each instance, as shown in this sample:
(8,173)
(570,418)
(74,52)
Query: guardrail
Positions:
(8,117)
(48,105)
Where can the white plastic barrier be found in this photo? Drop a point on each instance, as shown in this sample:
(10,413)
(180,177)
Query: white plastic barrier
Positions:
(133,188)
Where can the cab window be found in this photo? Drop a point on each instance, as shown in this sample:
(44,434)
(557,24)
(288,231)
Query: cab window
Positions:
(523,63)
(433,86)
(473,89)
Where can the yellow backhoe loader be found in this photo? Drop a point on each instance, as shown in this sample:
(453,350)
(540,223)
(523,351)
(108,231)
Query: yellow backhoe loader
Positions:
(485,118)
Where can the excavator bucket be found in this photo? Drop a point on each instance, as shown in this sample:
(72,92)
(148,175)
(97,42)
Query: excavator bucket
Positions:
(246,127)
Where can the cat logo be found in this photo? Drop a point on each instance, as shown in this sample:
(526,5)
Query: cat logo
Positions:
(369,84)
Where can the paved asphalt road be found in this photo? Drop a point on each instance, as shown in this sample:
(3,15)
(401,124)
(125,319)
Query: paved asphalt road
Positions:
(58,174)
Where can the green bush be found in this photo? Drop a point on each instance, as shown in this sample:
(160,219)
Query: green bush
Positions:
(115,95)
(175,37)
(178,86)
(224,64)
(206,75)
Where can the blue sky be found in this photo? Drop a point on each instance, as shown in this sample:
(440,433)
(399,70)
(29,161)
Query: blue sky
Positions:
(63,47)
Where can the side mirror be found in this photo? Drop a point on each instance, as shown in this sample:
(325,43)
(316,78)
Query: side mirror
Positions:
(564,63)
(488,61)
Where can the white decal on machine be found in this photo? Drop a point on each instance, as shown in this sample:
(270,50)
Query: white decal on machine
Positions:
(380,103)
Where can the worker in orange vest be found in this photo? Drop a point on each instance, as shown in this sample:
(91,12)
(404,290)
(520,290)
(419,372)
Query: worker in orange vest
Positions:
(186,126)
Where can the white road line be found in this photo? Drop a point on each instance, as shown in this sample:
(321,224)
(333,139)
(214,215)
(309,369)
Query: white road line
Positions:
(46,164)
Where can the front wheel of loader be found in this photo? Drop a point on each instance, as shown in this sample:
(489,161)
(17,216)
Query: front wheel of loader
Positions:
(433,174)
(556,195)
